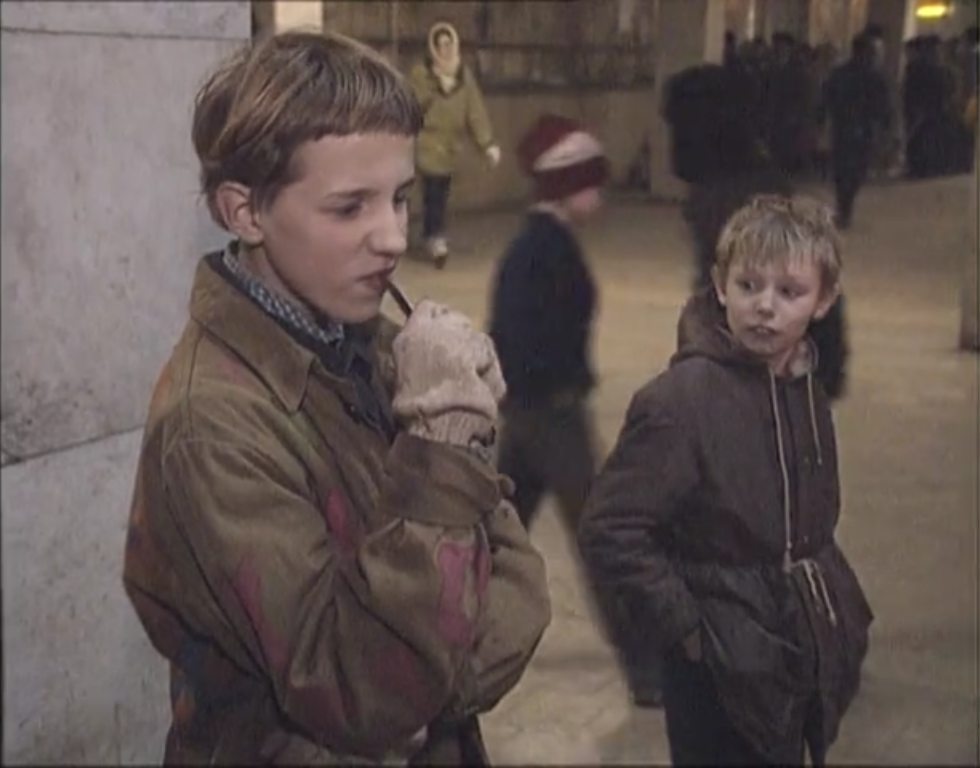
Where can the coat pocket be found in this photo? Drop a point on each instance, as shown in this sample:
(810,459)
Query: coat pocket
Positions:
(751,667)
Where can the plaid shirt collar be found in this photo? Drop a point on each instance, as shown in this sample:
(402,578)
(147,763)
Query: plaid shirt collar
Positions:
(327,332)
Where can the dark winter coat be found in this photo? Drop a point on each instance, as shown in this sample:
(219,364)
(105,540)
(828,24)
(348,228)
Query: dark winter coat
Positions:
(542,307)
(716,512)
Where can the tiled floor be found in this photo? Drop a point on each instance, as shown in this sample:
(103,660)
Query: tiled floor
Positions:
(908,444)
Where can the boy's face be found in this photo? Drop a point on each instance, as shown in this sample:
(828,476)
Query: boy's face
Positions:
(333,236)
(770,306)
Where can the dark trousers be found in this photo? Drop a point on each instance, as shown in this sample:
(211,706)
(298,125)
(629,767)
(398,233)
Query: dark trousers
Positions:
(850,172)
(700,732)
(553,449)
(435,199)
(549,449)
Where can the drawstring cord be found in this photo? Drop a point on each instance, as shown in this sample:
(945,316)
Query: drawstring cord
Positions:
(780,449)
(811,569)
(818,587)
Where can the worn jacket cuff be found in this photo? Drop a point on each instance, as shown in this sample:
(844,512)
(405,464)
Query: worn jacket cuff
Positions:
(438,483)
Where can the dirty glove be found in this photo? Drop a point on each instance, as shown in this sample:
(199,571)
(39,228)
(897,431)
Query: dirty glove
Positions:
(448,379)
(493,155)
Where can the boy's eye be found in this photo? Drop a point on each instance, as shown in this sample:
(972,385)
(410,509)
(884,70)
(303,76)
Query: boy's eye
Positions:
(348,211)
(745,284)
(789,291)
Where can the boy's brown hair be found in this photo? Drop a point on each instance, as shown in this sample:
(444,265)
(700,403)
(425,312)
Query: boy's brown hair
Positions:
(275,94)
(773,228)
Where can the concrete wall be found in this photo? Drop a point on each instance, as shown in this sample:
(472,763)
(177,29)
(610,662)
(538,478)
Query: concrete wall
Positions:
(101,230)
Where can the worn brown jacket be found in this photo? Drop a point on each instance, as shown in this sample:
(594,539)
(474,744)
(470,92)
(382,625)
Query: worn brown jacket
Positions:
(716,513)
(323,593)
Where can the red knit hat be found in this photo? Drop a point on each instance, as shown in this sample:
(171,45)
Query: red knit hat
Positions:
(562,158)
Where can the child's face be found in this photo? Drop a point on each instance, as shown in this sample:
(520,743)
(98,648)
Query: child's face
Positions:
(332,237)
(770,306)
(445,46)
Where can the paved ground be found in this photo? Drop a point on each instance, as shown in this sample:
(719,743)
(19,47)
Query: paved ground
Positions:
(908,437)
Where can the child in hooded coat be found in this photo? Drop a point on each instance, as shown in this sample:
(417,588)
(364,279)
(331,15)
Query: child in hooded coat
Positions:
(714,517)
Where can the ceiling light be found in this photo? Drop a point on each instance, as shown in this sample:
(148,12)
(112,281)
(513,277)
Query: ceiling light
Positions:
(932,11)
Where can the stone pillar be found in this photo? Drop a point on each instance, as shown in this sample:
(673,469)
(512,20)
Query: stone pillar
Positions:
(836,22)
(101,233)
(740,18)
(892,15)
(290,14)
(784,16)
(969,337)
(687,33)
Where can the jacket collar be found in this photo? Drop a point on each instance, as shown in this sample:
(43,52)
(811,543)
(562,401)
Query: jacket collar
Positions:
(241,325)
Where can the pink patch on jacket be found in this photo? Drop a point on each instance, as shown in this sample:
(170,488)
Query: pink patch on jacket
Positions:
(248,588)
(337,516)
(459,564)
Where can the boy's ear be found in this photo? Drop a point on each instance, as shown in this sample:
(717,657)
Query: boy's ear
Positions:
(827,300)
(233,202)
(719,283)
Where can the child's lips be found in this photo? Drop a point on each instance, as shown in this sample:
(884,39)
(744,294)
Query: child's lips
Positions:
(378,281)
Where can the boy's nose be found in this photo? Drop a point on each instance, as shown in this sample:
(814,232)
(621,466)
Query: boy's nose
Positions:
(390,236)
(764,303)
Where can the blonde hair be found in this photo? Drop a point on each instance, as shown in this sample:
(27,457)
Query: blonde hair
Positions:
(775,228)
(275,94)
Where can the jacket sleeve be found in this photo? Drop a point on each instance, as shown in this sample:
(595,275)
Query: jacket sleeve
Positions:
(639,492)
(518,610)
(423,85)
(477,119)
(363,638)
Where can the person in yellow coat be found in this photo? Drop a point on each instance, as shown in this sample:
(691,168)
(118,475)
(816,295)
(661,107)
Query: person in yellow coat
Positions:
(454,109)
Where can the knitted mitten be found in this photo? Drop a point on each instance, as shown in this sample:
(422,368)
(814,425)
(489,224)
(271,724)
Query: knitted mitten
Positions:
(448,377)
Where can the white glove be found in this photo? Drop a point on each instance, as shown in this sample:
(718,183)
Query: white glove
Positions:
(493,155)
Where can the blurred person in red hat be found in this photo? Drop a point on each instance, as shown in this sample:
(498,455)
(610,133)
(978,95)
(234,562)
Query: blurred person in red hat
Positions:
(543,306)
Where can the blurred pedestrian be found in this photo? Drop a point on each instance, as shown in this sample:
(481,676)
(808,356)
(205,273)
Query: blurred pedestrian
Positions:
(454,110)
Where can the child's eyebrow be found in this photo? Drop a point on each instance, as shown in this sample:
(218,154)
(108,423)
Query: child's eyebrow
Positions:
(364,193)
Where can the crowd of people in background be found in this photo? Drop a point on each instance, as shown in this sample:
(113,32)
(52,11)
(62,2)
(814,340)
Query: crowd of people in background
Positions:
(783,84)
